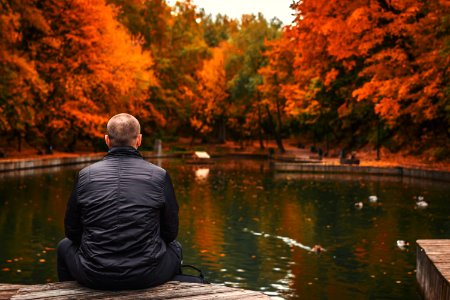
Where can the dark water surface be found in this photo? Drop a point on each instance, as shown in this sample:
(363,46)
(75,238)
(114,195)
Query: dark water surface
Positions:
(249,227)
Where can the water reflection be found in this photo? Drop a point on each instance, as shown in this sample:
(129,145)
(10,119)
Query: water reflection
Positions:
(201,174)
(249,227)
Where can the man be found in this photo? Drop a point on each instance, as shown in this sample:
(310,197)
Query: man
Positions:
(122,218)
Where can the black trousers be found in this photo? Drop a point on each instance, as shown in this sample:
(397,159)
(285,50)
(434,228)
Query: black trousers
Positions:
(70,269)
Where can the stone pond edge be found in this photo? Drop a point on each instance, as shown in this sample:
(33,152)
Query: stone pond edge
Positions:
(7,165)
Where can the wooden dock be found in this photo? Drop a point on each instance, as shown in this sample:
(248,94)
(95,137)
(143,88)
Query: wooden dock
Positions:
(433,268)
(169,290)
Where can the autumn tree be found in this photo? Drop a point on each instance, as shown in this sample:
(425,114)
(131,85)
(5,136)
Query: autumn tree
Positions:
(217,30)
(174,35)
(242,68)
(209,108)
(87,66)
(373,58)
(20,83)
(279,94)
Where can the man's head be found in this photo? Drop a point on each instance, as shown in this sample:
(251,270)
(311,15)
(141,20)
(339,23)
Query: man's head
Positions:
(123,130)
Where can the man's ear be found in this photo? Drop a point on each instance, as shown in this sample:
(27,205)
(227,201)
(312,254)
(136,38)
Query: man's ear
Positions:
(107,141)
(139,140)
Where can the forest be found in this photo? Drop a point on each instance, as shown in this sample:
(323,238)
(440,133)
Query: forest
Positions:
(349,73)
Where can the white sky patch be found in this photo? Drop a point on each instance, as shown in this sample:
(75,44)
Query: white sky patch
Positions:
(236,8)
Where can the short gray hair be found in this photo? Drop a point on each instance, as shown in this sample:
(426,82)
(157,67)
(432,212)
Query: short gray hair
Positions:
(123,129)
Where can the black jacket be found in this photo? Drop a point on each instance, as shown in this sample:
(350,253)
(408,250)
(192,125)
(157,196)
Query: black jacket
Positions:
(122,212)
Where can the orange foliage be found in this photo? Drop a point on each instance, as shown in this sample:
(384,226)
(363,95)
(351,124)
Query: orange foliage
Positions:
(84,63)
(396,46)
(209,103)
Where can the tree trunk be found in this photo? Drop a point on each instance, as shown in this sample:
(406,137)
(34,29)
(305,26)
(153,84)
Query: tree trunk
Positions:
(278,128)
(260,135)
(378,139)
(275,131)
(19,141)
(222,130)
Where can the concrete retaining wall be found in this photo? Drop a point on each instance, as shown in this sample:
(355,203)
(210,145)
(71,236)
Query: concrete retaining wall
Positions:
(33,163)
(397,171)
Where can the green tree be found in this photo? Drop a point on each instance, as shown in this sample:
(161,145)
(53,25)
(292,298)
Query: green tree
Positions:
(242,68)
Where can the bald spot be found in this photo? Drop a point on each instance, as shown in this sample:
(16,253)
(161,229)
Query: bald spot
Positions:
(123,129)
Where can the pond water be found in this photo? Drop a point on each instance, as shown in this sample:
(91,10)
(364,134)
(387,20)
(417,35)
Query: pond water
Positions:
(247,226)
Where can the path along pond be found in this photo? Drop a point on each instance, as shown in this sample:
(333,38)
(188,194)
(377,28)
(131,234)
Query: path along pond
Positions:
(247,226)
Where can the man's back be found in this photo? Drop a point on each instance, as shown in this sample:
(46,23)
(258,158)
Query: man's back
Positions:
(122,213)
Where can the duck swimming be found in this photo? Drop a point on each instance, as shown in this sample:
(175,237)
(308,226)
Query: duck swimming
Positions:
(422,204)
(317,249)
(359,205)
(373,198)
(402,244)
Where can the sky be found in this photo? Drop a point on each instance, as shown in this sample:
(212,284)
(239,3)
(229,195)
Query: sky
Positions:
(235,8)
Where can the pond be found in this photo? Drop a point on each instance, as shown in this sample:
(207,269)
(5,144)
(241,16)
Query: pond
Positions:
(247,226)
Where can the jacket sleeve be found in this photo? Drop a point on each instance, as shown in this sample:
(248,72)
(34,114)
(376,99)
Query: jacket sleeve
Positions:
(72,221)
(169,213)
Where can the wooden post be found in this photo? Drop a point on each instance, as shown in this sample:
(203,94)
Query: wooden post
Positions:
(433,268)
(158,147)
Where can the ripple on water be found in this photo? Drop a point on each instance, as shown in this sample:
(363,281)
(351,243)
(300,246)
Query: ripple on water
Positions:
(271,293)
(232,283)
(280,287)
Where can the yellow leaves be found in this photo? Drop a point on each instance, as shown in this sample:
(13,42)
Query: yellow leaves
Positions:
(299,102)
(200,126)
(208,102)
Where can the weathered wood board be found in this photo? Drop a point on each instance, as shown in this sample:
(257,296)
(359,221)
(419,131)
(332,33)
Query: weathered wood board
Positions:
(169,290)
(433,268)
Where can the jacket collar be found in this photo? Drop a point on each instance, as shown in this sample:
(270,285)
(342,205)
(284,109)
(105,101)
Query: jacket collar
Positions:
(123,151)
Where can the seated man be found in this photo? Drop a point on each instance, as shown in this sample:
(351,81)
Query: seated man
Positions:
(122,218)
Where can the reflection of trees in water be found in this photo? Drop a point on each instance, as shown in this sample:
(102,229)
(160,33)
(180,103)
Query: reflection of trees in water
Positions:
(308,208)
(31,223)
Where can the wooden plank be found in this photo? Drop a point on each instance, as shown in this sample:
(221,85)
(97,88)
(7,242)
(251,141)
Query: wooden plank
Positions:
(425,243)
(170,290)
(8,290)
(437,253)
(213,291)
(230,295)
(190,292)
(433,276)
(6,286)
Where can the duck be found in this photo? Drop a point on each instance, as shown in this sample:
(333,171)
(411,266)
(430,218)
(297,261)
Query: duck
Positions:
(402,244)
(373,198)
(359,205)
(420,198)
(317,249)
(422,204)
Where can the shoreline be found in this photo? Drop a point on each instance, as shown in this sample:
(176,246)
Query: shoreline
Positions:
(328,165)
(399,171)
